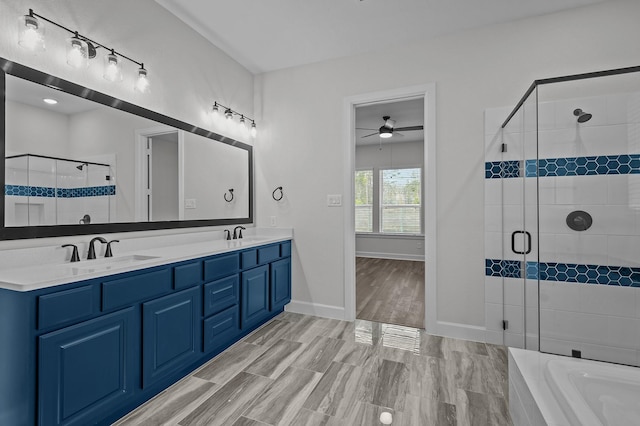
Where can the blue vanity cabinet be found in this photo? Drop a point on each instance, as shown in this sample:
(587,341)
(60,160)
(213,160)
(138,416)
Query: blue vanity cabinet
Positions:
(86,369)
(280,290)
(170,334)
(266,289)
(89,352)
(255,295)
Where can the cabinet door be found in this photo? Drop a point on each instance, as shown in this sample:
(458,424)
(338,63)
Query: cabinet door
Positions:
(86,369)
(255,295)
(171,334)
(280,283)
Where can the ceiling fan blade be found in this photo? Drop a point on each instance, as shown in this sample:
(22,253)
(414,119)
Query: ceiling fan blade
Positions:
(372,134)
(409,128)
(364,128)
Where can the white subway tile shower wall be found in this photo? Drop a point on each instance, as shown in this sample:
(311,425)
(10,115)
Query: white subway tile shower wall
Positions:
(603,321)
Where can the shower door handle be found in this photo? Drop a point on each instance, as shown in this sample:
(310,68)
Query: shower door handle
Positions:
(513,242)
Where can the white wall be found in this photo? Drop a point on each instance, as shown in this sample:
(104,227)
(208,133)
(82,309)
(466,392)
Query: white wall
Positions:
(390,155)
(186,71)
(473,71)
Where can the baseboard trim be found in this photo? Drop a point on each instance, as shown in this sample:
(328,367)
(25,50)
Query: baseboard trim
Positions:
(317,309)
(392,256)
(461,331)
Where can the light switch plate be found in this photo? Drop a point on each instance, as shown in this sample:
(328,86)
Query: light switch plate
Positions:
(190,203)
(334,200)
(273,221)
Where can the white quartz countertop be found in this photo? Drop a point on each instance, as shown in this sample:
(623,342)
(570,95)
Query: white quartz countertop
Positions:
(138,255)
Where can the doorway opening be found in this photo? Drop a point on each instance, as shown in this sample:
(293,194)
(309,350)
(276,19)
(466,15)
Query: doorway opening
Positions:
(424,94)
(159,174)
(389,224)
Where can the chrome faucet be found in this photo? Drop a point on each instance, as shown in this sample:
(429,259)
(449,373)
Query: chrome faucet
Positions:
(92,250)
(237,236)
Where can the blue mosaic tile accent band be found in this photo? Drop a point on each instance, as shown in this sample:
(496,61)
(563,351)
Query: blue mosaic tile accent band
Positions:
(567,166)
(532,270)
(586,166)
(503,268)
(29,191)
(90,191)
(42,191)
(501,169)
(623,276)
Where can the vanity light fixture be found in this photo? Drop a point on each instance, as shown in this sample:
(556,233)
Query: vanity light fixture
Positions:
(229,113)
(79,49)
(112,67)
(31,32)
(77,52)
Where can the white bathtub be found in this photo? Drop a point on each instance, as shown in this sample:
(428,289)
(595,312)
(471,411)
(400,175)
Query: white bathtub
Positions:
(554,390)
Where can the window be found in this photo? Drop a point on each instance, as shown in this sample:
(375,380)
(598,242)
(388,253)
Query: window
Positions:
(401,201)
(388,201)
(364,200)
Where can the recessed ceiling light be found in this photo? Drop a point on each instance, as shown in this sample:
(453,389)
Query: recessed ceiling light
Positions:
(50,101)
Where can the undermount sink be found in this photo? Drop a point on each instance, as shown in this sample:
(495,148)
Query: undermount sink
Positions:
(110,263)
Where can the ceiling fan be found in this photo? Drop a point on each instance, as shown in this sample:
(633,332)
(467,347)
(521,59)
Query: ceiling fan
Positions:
(388,129)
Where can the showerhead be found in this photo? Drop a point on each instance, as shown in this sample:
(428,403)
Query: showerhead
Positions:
(583,117)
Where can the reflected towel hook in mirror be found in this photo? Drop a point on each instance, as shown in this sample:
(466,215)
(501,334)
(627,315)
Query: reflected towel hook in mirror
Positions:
(228,200)
(273,194)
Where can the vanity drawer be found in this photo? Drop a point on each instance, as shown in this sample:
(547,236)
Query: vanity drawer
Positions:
(187,275)
(65,307)
(221,329)
(221,266)
(249,259)
(285,249)
(221,294)
(125,291)
(268,254)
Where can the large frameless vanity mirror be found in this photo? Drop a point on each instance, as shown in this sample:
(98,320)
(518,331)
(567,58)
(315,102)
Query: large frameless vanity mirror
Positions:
(80,162)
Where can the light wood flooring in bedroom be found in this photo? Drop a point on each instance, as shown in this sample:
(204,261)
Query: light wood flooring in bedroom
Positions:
(390,291)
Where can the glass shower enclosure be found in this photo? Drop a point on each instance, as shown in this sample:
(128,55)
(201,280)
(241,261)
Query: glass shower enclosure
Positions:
(562,218)
(43,190)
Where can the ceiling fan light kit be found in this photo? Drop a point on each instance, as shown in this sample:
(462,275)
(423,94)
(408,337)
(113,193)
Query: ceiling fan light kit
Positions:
(388,129)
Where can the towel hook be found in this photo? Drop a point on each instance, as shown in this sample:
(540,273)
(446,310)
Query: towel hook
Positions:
(273,194)
(228,200)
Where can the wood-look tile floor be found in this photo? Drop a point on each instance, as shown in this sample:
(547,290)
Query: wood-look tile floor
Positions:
(302,370)
(390,291)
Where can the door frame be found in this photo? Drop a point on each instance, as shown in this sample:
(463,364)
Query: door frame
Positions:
(141,136)
(428,92)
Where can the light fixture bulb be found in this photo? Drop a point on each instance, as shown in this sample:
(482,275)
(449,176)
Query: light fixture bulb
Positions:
(215,108)
(228,113)
(30,33)
(77,52)
(142,82)
(49,101)
(254,130)
(242,122)
(385,135)
(112,69)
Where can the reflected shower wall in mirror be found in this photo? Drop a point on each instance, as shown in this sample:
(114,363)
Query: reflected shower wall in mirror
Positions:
(78,161)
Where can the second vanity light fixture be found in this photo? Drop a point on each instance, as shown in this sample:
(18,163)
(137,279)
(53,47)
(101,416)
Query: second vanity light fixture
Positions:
(229,113)
(79,49)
